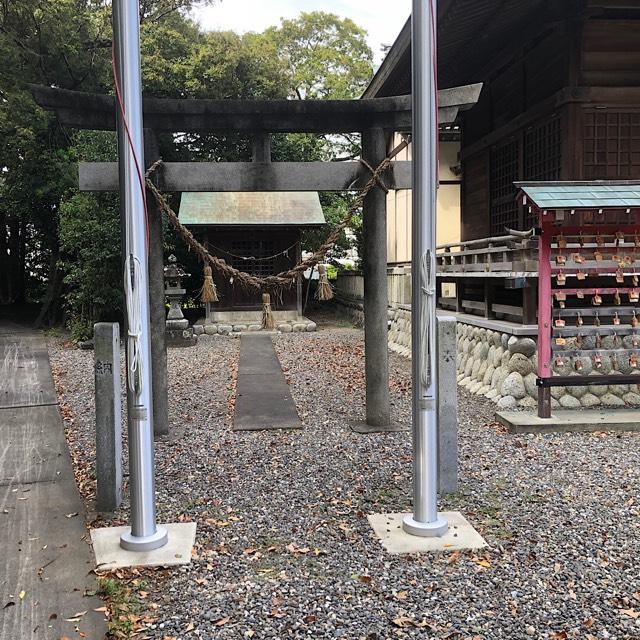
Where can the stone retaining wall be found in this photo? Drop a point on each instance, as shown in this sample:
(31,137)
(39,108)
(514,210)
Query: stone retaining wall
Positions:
(400,330)
(348,307)
(503,368)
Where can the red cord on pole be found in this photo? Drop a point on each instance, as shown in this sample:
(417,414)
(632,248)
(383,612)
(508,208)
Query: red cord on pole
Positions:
(116,81)
(434,41)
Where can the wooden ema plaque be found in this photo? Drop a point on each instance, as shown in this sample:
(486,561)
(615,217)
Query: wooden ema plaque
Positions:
(588,298)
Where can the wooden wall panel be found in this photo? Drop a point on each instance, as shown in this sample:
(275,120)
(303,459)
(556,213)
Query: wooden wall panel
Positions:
(546,67)
(475,197)
(263,241)
(535,72)
(611,53)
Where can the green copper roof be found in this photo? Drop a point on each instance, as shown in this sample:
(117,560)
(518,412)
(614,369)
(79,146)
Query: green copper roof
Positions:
(597,194)
(296,208)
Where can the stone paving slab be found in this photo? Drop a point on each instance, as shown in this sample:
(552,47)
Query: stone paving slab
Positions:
(46,555)
(25,376)
(263,397)
(32,445)
(562,421)
(177,551)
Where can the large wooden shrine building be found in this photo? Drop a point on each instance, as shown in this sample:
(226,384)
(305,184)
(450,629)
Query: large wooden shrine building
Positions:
(560,101)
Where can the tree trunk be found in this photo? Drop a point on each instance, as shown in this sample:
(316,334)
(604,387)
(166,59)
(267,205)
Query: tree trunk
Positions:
(20,286)
(5,271)
(14,257)
(51,301)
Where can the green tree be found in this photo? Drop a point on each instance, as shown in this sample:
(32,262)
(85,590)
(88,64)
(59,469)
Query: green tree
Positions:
(327,56)
(57,244)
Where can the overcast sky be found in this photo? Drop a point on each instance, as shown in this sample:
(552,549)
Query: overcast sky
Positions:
(382,20)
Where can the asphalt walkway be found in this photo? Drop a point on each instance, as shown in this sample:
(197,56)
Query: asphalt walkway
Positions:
(45,562)
(263,398)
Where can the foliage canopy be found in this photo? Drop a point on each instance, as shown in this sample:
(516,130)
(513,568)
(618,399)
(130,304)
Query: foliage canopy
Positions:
(61,248)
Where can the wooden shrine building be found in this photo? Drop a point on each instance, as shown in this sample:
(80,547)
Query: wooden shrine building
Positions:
(560,101)
(259,233)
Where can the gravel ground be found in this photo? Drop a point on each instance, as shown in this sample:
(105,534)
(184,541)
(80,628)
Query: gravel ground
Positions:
(284,549)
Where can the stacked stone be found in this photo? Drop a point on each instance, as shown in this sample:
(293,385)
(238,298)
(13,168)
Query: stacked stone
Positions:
(349,308)
(503,368)
(236,329)
(400,331)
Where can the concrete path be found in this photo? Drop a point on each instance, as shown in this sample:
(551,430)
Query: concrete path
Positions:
(46,561)
(263,398)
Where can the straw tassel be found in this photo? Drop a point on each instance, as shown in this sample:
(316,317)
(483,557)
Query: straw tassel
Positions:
(324,291)
(208,293)
(268,321)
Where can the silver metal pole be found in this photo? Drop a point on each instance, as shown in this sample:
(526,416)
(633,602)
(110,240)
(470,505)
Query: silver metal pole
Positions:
(144,535)
(425,520)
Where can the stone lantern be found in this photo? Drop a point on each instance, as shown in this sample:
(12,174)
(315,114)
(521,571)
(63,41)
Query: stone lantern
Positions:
(179,333)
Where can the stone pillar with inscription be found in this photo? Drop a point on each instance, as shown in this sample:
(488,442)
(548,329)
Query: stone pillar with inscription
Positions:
(108,416)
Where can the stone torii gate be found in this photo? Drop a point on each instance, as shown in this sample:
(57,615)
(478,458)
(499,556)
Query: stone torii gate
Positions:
(376,119)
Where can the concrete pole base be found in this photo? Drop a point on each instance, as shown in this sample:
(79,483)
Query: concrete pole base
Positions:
(144,543)
(435,529)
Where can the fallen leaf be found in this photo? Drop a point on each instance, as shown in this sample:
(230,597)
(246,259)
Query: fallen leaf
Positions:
(630,613)
(190,627)
(71,515)
(558,635)
(221,622)
(21,595)
(11,603)
(483,562)
(403,621)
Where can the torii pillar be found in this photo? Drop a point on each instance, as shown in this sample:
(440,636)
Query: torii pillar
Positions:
(376,349)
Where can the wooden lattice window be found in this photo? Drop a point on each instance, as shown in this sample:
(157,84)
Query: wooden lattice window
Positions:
(542,155)
(611,145)
(247,254)
(504,171)
(543,150)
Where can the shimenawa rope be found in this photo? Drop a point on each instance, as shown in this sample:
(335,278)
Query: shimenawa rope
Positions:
(285,278)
